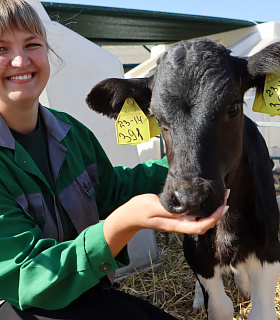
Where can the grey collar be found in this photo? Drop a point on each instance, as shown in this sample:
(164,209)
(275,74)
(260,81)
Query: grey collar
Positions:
(54,126)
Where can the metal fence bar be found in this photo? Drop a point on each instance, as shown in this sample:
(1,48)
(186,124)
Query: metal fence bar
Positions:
(268,124)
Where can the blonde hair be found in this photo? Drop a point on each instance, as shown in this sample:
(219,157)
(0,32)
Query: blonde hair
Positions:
(19,14)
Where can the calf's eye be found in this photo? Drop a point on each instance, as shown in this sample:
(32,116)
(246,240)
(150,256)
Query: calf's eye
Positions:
(234,108)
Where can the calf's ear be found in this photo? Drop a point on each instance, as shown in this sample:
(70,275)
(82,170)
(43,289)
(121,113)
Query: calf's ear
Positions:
(108,96)
(261,63)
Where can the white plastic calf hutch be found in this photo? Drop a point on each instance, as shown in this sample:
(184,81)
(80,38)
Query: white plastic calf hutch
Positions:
(84,65)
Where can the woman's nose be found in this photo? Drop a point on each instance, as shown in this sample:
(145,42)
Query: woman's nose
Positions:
(20,60)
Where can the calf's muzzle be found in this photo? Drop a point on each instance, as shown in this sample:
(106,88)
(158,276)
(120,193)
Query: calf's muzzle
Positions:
(198,198)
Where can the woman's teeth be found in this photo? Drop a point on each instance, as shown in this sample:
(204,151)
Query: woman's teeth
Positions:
(24,77)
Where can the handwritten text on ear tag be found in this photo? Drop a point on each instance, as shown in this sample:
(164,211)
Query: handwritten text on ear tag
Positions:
(132,125)
(269,101)
(271,93)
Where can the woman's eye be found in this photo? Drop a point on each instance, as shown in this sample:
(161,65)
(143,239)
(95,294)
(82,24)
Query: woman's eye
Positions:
(33,45)
(234,108)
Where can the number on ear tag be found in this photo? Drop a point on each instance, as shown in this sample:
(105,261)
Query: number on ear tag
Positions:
(132,125)
(271,93)
(269,102)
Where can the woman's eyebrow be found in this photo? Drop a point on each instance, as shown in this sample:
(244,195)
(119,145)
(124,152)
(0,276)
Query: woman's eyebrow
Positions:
(4,41)
(26,39)
(31,38)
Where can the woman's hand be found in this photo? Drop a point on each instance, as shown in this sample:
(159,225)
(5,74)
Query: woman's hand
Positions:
(146,212)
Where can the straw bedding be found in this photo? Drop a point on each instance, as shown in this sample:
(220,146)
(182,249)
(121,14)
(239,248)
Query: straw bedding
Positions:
(169,283)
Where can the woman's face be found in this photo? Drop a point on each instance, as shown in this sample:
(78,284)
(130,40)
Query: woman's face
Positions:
(24,68)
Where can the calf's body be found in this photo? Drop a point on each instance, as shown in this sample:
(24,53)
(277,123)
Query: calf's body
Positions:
(196,94)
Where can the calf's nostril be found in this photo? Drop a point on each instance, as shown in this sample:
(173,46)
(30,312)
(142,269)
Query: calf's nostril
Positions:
(176,199)
(192,201)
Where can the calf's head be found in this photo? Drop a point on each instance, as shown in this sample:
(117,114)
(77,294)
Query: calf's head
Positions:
(196,94)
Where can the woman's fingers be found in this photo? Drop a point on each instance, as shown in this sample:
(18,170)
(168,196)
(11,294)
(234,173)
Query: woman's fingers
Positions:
(148,213)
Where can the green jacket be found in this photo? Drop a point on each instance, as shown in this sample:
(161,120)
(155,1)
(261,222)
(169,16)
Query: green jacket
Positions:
(38,268)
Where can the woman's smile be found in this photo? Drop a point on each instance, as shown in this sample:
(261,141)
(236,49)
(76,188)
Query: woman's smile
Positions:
(20,78)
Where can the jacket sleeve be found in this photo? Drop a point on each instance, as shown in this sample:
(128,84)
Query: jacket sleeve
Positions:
(37,272)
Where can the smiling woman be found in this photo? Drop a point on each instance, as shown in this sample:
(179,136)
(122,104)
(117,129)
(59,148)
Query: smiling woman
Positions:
(24,71)
(24,65)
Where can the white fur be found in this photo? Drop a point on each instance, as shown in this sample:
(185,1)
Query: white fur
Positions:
(241,278)
(254,279)
(198,301)
(263,282)
(219,304)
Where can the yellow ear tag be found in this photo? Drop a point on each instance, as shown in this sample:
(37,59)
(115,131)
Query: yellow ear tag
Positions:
(259,104)
(132,125)
(154,128)
(269,101)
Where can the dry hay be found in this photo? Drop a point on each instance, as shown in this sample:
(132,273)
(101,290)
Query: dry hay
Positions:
(169,284)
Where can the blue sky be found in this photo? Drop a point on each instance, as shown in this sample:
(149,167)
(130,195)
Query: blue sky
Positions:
(254,10)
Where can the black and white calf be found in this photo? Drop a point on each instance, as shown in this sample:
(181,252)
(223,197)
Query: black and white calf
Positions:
(197,95)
